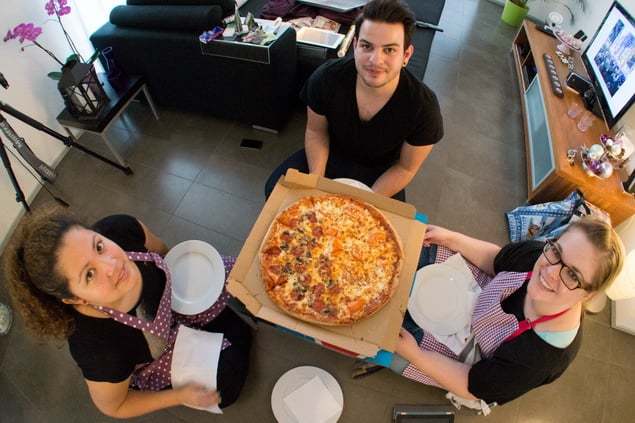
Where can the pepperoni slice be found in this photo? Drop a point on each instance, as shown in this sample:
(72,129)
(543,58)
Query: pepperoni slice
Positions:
(275,269)
(317,231)
(318,305)
(297,294)
(297,251)
(273,251)
(311,216)
(317,289)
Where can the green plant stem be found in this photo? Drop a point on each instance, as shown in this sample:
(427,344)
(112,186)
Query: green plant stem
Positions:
(68,38)
(47,52)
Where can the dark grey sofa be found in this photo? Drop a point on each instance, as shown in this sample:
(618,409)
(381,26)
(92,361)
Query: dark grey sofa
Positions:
(179,75)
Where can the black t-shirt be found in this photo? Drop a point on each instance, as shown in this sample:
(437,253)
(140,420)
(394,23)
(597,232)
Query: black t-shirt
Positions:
(526,362)
(104,349)
(411,115)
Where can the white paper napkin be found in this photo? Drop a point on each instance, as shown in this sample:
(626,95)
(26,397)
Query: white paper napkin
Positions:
(195,359)
(312,402)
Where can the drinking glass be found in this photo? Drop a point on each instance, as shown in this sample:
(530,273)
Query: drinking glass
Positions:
(574,110)
(586,121)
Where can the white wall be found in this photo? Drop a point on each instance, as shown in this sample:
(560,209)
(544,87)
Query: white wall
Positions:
(33,93)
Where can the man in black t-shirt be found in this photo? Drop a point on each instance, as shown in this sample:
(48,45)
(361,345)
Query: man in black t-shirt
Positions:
(368,118)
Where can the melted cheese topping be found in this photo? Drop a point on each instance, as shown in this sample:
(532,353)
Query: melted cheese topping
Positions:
(337,258)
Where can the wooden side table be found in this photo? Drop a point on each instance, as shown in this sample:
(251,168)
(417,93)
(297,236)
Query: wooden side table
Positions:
(120,97)
(549,133)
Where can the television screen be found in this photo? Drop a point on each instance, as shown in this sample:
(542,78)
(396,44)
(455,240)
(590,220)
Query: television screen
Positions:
(610,61)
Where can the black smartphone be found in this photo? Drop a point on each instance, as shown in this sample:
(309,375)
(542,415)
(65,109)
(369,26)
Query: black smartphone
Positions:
(578,83)
(249,143)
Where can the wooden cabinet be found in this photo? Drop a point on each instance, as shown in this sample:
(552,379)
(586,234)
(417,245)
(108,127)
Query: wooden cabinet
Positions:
(549,132)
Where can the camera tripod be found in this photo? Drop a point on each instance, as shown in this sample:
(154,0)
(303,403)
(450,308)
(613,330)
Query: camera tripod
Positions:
(42,169)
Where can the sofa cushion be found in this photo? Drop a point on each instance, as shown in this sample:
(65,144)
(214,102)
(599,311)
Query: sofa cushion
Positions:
(177,18)
(226,5)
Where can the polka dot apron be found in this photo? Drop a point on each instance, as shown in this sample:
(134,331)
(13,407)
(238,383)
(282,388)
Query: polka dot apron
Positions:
(155,375)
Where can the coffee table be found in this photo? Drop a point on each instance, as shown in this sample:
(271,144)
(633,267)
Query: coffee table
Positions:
(120,97)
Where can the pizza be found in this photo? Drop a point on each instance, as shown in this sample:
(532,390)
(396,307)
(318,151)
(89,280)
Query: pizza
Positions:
(331,260)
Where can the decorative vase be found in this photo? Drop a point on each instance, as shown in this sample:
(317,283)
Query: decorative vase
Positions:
(113,71)
(513,14)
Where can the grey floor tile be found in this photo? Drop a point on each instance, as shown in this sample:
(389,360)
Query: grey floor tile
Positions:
(163,190)
(506,413)
(603,317)
(16,406)
(276,147)
(619,405)
(596,342)
(219,211)
(622,348)
(134,117)
(178,230)
(43,370)
(234,177)
(579,395)
(180,155)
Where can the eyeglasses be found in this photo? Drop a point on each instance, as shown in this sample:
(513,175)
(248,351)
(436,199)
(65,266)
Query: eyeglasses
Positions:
(568,276)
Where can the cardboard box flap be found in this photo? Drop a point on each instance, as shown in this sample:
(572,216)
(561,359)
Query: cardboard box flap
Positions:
(239,291)
(296,179)
(316,332)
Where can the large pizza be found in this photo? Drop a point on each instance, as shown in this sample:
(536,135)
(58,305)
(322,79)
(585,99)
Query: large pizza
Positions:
(331,260)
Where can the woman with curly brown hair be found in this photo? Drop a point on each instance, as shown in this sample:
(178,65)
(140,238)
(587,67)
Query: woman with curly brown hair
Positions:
(107,291)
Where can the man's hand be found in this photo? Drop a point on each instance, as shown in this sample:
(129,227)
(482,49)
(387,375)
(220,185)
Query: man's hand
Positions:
(194,395)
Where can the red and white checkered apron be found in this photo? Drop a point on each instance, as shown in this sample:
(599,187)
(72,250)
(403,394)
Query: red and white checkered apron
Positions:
(155,375)
(491,326)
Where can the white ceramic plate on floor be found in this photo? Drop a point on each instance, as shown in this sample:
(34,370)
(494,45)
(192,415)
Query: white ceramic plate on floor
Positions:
(354,183)
(198,276)
(296,378)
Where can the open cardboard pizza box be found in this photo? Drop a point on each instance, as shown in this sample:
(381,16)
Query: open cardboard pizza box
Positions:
(369,335)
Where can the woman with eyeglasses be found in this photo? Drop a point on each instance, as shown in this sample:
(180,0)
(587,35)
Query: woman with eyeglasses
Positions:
(524,327)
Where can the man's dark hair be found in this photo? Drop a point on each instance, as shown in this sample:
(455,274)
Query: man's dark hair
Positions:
(388,11)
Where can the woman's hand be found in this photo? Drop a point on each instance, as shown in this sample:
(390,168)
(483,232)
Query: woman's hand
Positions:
(437,235)
(407,346)
(194,395)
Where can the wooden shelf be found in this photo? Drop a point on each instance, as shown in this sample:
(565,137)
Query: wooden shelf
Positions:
(530,45)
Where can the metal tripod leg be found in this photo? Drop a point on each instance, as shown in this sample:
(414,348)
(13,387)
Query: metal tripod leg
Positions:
(19,195)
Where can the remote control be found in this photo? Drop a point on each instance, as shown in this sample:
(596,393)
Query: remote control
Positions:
(556,85)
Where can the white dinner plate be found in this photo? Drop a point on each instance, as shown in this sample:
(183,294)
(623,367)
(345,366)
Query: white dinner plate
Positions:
(438,302)
(198,276)
(354,183)
(296,378)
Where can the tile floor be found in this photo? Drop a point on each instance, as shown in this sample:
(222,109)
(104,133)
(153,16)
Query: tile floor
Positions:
(192,180)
